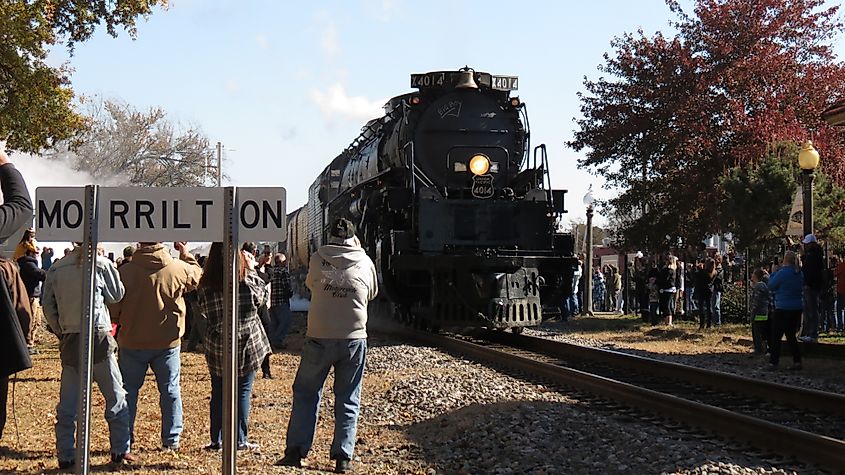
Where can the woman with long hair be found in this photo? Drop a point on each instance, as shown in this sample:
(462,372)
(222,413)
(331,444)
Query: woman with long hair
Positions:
(786,286)
(253,345)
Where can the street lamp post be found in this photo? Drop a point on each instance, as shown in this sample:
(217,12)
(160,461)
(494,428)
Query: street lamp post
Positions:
(588,262)
(808,160)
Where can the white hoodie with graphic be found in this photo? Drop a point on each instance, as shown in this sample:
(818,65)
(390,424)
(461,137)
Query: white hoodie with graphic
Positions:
(342,280)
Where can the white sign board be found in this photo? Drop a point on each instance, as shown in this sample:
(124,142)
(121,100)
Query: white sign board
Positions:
(137,214)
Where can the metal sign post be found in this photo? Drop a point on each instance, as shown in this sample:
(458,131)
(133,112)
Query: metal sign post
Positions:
(161,214)
(230,332)
(86,337)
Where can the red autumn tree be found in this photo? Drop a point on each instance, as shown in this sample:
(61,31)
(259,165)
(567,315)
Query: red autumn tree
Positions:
(672,115)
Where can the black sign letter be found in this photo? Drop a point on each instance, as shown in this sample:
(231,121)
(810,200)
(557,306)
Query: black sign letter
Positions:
(147,212)
(176,223)
(51,216)
(275,216)
(204,204)
(255,214)
(163,214)
(115,213)
(66,214)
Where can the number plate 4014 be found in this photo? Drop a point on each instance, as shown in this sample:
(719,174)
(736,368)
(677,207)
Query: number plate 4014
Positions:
(482,186)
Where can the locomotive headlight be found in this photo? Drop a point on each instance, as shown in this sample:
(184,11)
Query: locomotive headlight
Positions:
(479,164)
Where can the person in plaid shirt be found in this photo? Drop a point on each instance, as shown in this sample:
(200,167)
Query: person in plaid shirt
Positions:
(253,345)
(278,277)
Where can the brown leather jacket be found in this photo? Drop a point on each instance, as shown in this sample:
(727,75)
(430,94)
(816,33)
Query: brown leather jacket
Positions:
(20,299)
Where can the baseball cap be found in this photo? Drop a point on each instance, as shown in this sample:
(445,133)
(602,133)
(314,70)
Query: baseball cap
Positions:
(809,238)
(343,229)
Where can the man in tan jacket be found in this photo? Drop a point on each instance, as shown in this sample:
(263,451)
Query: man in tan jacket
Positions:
(152,321)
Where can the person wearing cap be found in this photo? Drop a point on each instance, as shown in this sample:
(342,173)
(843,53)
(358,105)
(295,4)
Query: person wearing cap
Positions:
(342,279)
(813,270)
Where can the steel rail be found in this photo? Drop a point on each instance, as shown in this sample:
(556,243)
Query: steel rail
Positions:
(814,448)
(794,396)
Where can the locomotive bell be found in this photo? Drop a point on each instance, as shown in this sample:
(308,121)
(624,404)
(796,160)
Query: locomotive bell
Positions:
(466,81)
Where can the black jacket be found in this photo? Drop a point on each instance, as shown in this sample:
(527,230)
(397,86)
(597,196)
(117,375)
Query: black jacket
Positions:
(16,210)
(32,275)
(15,213)
(813,267)
(666,278)
(703,285)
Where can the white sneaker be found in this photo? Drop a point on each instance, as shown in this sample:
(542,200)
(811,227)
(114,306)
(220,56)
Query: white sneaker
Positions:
(248,446)
(807,339)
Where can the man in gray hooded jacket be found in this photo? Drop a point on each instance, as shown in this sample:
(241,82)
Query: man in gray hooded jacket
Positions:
(63,308)
(342,279)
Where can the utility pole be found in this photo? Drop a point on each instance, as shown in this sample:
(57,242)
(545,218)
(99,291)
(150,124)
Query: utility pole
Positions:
(588,265)
(219,164)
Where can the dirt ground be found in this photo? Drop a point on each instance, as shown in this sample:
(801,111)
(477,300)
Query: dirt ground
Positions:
(28,444)
(683,337)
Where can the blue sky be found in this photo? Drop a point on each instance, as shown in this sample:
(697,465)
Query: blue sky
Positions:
(287,85)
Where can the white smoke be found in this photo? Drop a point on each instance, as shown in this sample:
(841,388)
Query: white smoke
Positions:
(336,103)
(38,172)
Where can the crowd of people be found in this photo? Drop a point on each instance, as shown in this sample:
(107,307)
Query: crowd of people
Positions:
(148,302)
(795,296)
(607,289)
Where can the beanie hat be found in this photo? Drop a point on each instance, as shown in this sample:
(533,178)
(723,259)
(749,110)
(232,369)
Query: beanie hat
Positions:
(343,229)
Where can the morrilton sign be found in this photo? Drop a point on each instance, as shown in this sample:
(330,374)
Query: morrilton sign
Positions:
(136,214)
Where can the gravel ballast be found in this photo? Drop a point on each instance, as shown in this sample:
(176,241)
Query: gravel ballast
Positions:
(424,412)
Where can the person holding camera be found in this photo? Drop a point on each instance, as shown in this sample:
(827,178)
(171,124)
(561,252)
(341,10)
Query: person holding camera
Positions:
(275,272)
(15,213)
(342,279)
(252,343)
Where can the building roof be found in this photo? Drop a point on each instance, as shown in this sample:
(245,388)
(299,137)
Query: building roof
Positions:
(835,114)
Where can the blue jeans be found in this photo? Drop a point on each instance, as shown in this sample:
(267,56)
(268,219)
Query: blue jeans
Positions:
(840,312)
(166,367)
(716,307)
(810,326)
(215,406)
(280,317)
(107,376)
(318,356)
(570,305)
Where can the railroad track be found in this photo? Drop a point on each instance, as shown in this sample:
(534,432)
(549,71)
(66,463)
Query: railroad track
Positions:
(769,416)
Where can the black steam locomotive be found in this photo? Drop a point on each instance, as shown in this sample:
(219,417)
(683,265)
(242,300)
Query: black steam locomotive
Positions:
(456,212)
